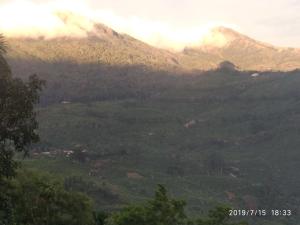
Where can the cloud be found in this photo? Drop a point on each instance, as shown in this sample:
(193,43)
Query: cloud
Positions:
(23,18)
(28,19)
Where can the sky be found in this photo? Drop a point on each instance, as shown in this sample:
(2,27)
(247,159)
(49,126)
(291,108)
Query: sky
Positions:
(163,22)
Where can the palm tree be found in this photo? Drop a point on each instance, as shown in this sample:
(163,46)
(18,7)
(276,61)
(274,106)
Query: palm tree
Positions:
(2,44)
(4,68)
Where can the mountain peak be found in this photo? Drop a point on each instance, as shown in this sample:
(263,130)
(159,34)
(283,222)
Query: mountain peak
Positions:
(226,31)
(60,24)
(84,24)
(221,37)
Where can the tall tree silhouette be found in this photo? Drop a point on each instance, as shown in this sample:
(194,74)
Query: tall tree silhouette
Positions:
(17,126)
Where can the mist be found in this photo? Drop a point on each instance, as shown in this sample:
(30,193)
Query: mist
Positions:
(48,20)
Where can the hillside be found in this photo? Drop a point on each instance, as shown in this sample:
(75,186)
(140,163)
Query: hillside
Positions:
(97,45)
(249,125)
(107,65)
(105,46)
(119,116)
(248,54)
(89,67)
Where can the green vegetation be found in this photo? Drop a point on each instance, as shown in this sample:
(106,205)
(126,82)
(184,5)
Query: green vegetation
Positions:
(41,199)
(17,128)
(113,131)
(211,139)
(217,138)
(163,210)
(109,48)
(32,198)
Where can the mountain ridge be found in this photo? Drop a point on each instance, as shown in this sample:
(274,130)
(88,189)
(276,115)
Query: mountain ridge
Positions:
(245,52)
(100,44)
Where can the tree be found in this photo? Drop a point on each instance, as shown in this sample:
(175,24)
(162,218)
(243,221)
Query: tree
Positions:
(100,217)
(215,163)
(162,210)
(39,199)
(227,66)
(17,126)
(4,68)
(17,118)
(79,155)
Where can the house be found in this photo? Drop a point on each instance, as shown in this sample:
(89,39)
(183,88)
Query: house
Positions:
(255,75)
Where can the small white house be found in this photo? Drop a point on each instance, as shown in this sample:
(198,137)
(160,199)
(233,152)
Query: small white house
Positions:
(255,75)
(65,102)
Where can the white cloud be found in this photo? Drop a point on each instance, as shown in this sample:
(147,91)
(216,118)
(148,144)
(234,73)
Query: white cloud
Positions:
(25,18)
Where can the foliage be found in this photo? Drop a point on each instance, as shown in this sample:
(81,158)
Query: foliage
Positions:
(17,118)
(250,122)
(215,163)
(4,68)
(100,193)
(40,199)
(163,210)
(218,216)
(227,66)
(17,126)
(100,217)
(7,216)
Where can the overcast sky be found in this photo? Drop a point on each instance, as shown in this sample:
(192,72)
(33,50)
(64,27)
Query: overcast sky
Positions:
(273,21)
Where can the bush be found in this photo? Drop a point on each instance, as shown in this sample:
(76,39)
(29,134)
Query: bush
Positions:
(40,199)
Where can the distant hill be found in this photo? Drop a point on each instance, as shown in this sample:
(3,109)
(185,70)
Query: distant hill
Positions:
(248,54)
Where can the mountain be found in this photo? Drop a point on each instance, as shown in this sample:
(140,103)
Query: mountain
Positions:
(248,54)
(87,42)
(97,44)
(90,61)
(96,63)
(114,102)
